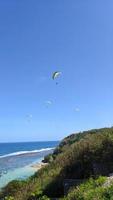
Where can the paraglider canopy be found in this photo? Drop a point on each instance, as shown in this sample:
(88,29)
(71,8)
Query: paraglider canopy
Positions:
(56,74)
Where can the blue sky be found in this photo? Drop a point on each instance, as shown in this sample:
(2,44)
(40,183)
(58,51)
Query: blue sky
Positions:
(42,36)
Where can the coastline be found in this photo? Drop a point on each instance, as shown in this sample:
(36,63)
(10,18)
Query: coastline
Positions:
(21,173)
(39,165)
(23,160)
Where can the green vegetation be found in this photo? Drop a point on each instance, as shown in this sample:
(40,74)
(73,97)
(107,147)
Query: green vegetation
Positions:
(75,158)
(91,190)
(9,198)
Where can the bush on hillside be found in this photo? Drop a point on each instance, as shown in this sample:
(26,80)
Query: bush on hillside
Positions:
(91,190)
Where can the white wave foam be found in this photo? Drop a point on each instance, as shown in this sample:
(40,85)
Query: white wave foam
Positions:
(19,153)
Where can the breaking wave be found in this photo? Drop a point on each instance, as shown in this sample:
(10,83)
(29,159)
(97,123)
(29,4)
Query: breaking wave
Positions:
(19,153)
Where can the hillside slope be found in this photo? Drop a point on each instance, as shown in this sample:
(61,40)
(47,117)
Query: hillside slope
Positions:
(78,156)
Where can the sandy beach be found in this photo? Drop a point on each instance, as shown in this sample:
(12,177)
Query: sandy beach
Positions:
(39,165)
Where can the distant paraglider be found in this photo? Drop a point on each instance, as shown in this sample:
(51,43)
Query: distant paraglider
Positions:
(77,110)
(29,118)
(48,103)
(56,75)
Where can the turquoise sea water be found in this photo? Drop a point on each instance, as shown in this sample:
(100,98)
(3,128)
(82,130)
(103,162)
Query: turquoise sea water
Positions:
(16,159)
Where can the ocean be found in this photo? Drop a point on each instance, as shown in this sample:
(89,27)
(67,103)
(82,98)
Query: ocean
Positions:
(16,159)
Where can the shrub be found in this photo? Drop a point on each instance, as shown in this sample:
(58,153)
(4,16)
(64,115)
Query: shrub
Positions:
(9,198)
(91,190)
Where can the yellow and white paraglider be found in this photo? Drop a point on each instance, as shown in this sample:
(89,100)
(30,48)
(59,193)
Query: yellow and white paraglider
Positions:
(55,75)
